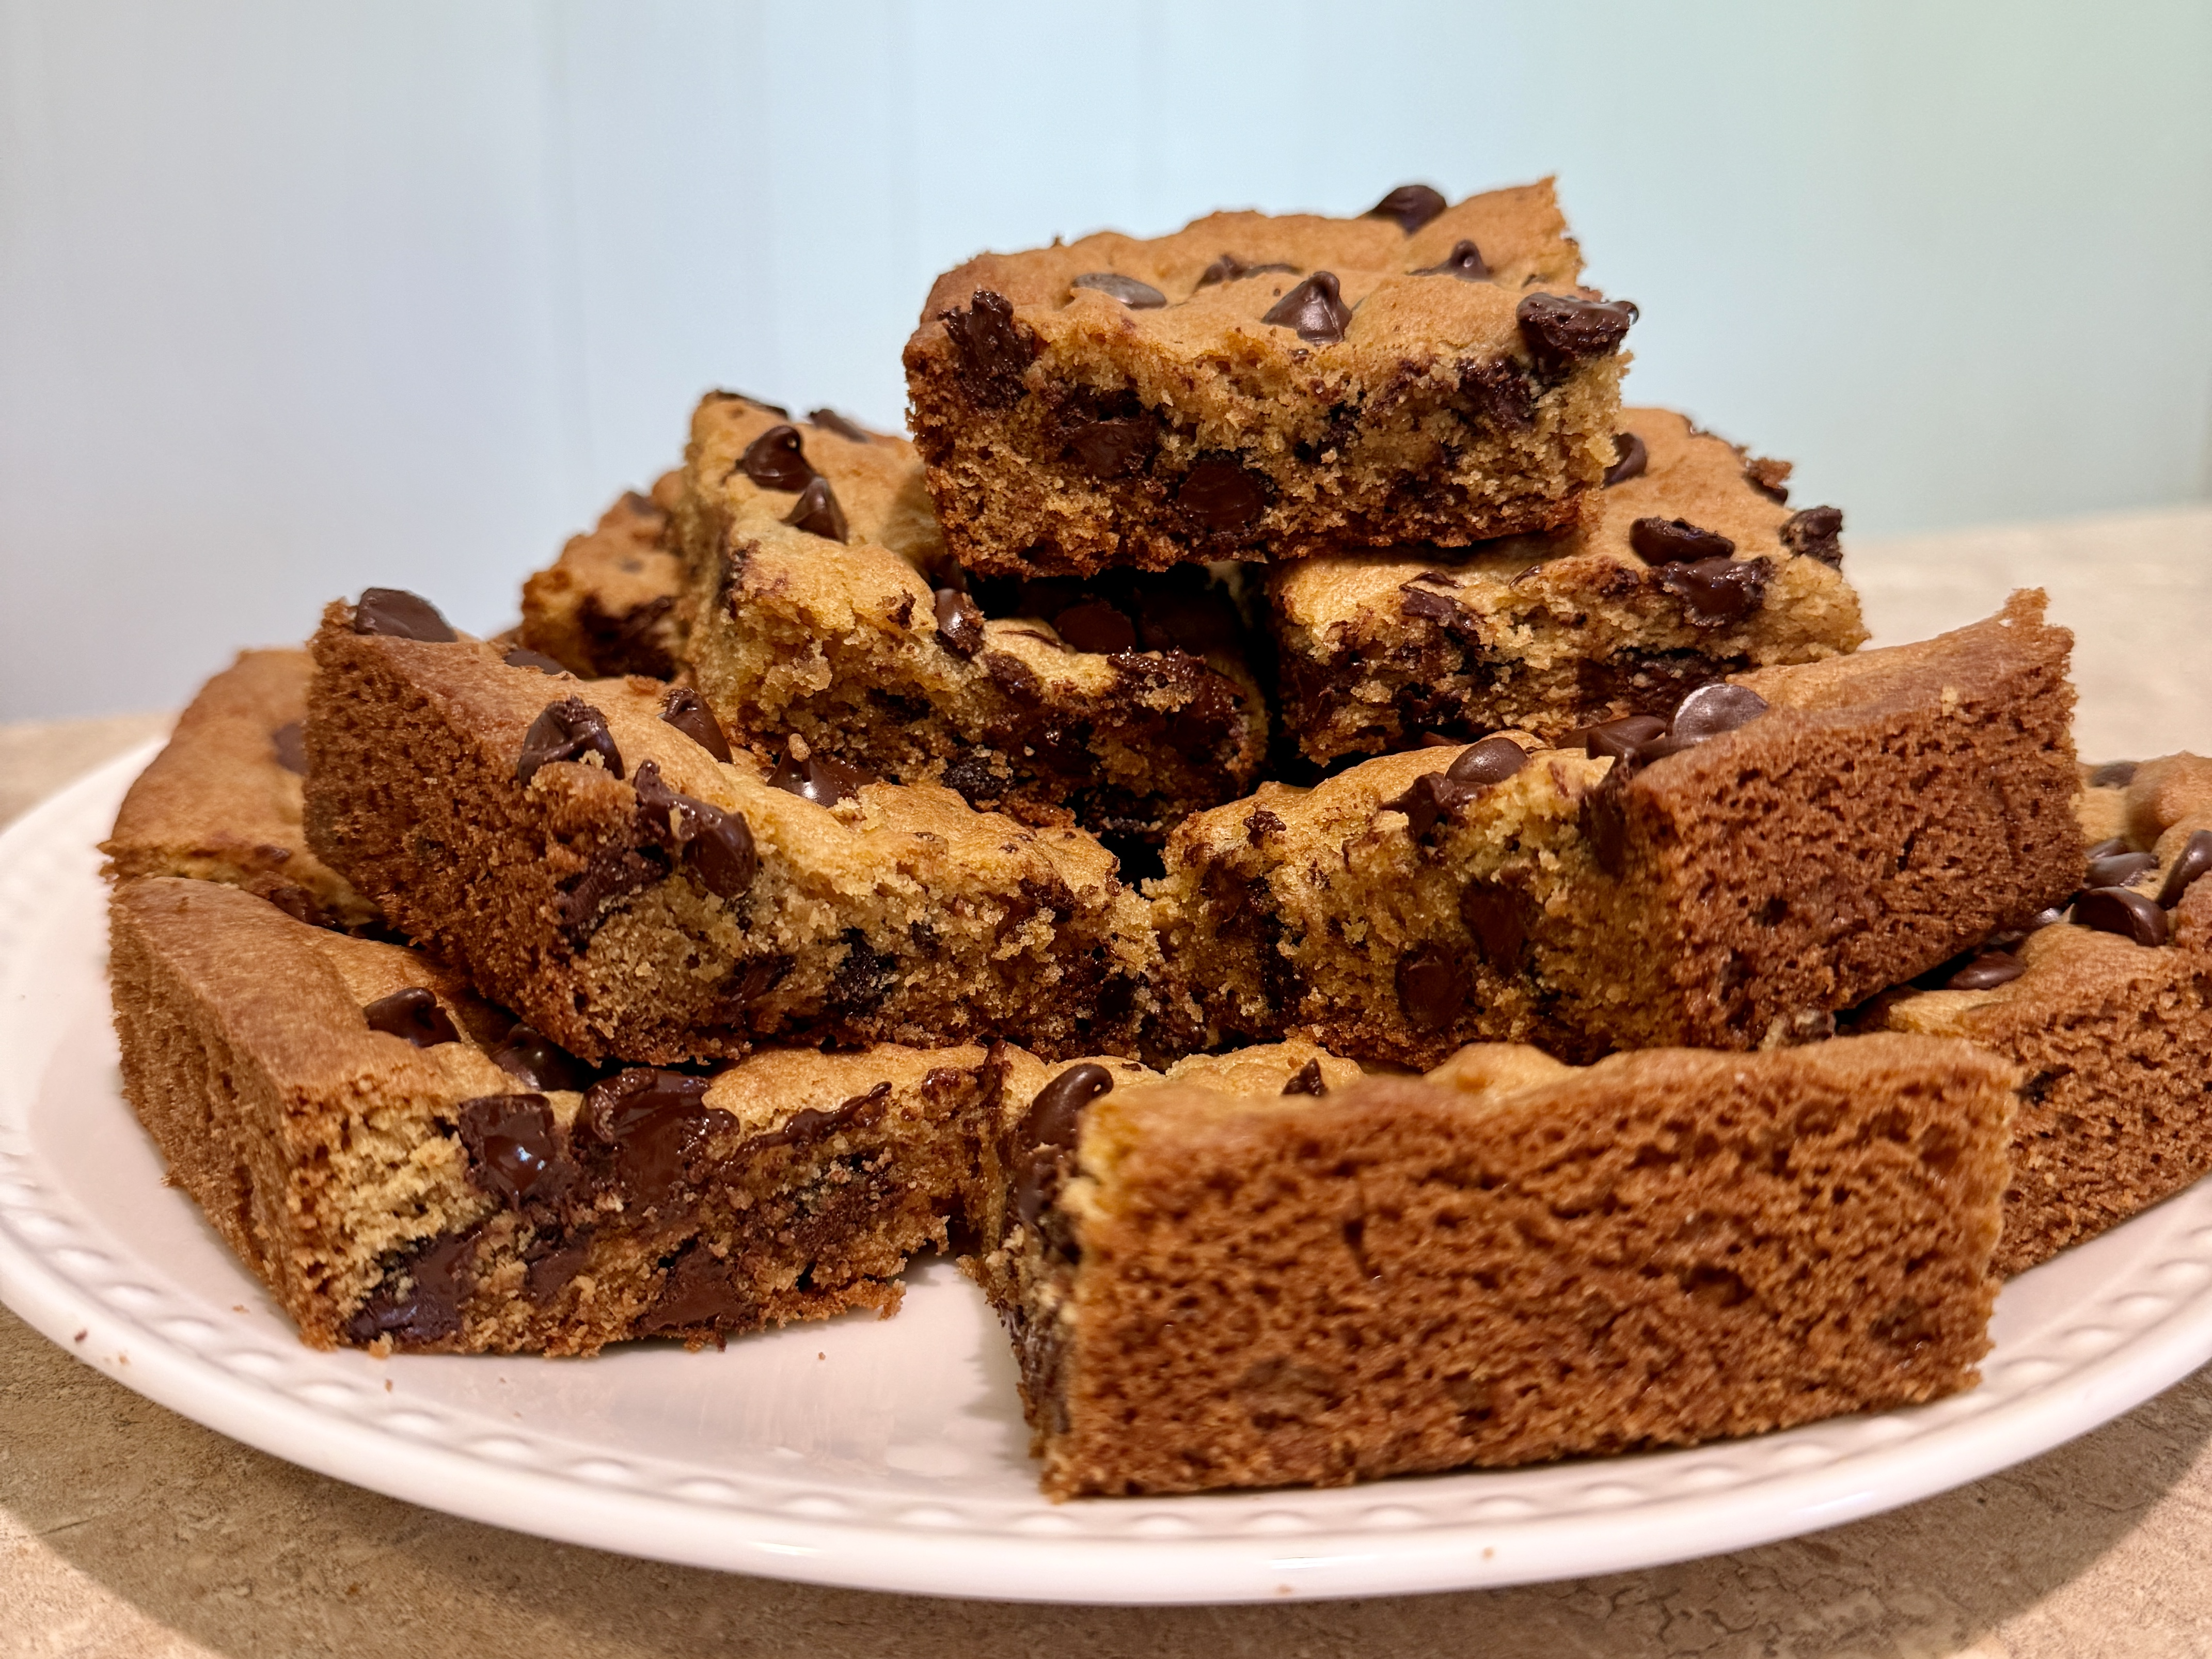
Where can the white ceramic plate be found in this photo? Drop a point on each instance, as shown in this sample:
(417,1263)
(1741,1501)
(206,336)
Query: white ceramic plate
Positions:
(889,1455)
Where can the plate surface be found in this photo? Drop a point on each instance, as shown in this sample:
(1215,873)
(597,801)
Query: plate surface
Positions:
(889,1455)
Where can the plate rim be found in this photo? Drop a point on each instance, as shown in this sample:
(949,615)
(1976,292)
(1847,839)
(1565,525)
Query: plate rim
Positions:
(1984,1430)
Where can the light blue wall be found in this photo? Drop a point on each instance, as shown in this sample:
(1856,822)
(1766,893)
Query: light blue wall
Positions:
(294,298)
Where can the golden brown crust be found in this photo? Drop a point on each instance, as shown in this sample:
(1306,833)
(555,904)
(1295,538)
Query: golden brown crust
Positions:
(219,803)
(1410,1274)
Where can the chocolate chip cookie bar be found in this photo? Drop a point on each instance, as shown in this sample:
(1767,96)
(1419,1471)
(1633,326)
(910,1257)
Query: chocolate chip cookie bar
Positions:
(2105,1004)
(1125,700)
(406,1167)
(1686,567)
(607,606)
(1225,1283)
(1260,387)
(222,802)
(594,855)
(1790,843)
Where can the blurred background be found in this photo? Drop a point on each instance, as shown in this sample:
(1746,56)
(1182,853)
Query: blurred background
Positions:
(299,297)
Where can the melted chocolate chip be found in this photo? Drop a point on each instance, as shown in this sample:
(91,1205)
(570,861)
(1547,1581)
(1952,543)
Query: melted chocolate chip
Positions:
(295,902)
(1491,761)
(1138,296)
(2119,869)
(1315,308)
(991,348)
(1230,269)
(530,1057)
(1711,710)
(817,511)
(686,711)
(1716,592)
(2114,774)
(429,1310)
(1465,262)
(830,421)
(777,460)
(1428,801)
(1095,625)
(513,1146)
(568,731)
(817,778)
(959,623)
(1114,449)
(1306,1080)
(1432,989)
(290,741)
(1619,740)
(1668,541)
(1770,478)
(1988,970)
(1410,205)
(2116,910)
(717,845)
(1500,394)
(2105,848)
(1497,918)
(808,1126)
(1630,457)
(397,614)
(1050,1130)
(654,1121)
(413,1014)
(1221,495)
(701,1292)
(1561,332)
(523,657)
(1815,532)
(2196,858)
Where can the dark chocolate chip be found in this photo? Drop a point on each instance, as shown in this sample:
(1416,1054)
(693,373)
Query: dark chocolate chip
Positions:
(1770,478)
(2119,869)
(1497,917)
(641,506)
(830,421)
(513,1146)
(959,623)
(2105,848)
(1716,592)
(1259,824)
(430,1310)
(2196,858)
(1138,296)
(687,711)
(1630,457)
(1432,989)
(1221,495)
(1114,449)
(1095,625)
(1230,269)
(1315,308)
(1050,1130)
(1619,739)
(654,1121)
(1712,709)
(777,460)
(290,740)
(1668,541)
(523,657)
(718,844)
(1307,1080)
(295,902)
(1464,261)
(817,778)
(817,511)
(1500,393)
(1443,609)
(2007,938)
(414,1014)
(397,614)
(1410,205)
(1491,761)
(809,1125)
(1815,532)
(568,731)
(1429,799)
(2114,774)
(1988,970)
(992,348)
(2116,910)
(530,1057)
(701,1292)
(1561,331)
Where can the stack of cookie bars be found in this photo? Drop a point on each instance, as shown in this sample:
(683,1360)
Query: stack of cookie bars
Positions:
(1366,890)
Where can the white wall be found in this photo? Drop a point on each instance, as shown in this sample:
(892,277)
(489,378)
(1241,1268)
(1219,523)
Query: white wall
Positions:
(295,298)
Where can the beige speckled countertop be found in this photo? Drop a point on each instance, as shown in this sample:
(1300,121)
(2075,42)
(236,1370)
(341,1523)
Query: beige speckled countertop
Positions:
(125,1529)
